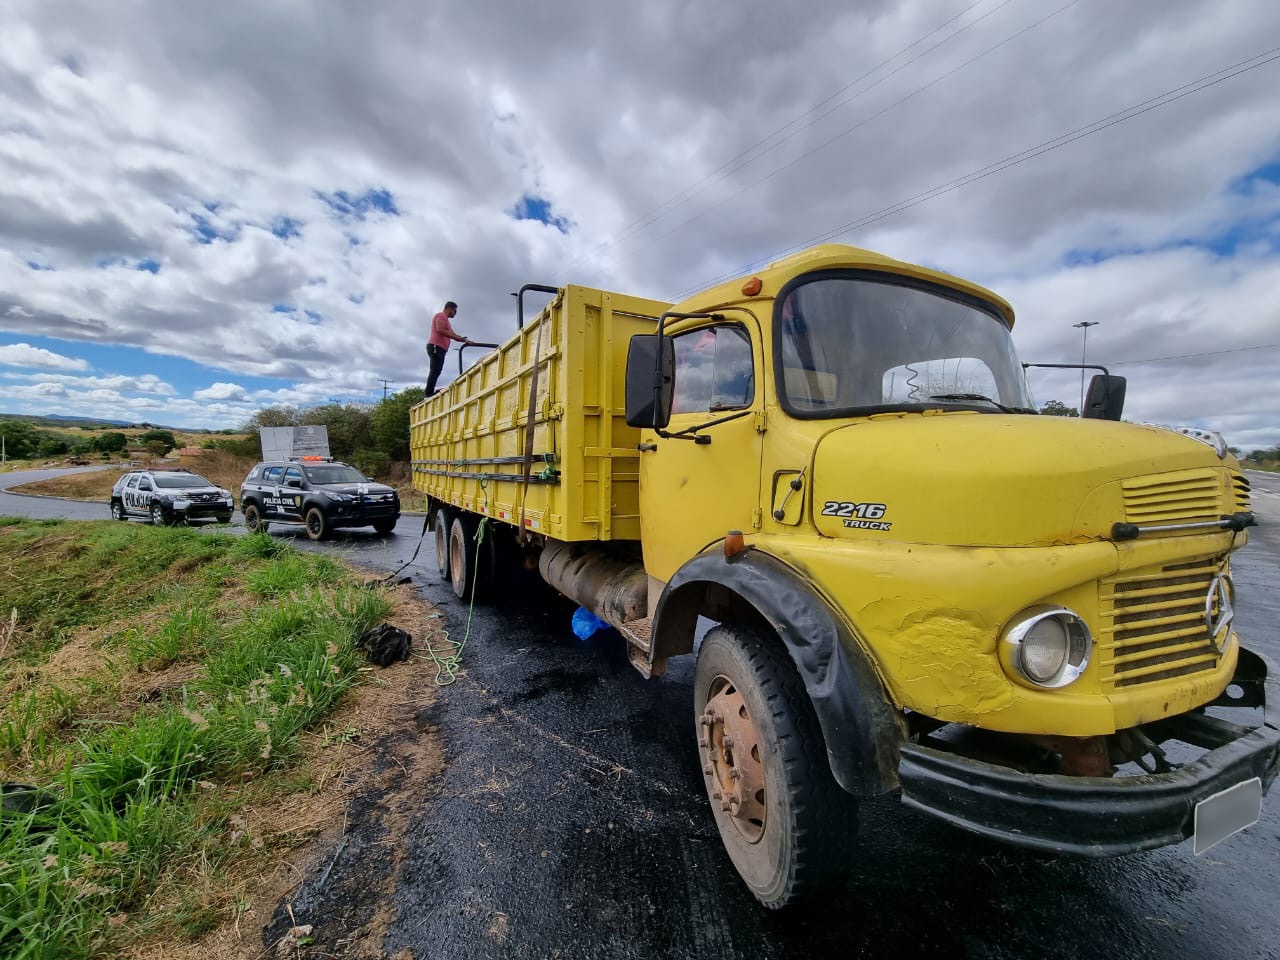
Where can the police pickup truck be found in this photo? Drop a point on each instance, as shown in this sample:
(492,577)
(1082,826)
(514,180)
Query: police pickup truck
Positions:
(168,497)
(318,492)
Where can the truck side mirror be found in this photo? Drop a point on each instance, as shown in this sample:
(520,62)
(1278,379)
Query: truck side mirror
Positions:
(649,388)
(1105,400)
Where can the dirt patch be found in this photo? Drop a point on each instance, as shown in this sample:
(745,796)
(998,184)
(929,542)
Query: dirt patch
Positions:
(328,857)
(75,486)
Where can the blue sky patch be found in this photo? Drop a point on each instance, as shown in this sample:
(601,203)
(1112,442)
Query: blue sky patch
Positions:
(151,266)
(205,231)
(39,266)
(350,206)
(313,316)
(286,227)
(529,207)
(282,308)
(1268,173)
(356,298)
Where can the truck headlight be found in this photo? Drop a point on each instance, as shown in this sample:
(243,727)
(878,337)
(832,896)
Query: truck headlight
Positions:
(1046,647)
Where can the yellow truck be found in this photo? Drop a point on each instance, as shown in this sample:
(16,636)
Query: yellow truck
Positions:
(1022,623)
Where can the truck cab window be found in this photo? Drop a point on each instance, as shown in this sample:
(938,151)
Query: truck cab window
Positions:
(713,370)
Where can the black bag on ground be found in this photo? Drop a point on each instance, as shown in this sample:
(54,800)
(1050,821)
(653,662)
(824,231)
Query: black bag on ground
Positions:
(385,644)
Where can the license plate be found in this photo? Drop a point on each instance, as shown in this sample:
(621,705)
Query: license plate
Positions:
(1227,812)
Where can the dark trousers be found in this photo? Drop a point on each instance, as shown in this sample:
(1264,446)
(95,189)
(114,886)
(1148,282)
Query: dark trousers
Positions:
(437,355)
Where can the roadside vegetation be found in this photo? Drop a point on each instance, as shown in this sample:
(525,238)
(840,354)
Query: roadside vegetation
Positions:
(156,685)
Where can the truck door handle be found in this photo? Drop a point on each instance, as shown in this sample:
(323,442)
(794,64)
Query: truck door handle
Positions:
(642,447)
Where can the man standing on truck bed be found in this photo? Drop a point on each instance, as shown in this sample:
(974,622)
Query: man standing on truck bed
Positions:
(438,343)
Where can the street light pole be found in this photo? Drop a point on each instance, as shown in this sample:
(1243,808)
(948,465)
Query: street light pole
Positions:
(1084,325)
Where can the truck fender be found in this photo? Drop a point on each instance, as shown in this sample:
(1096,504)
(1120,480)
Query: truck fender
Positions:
(862,730)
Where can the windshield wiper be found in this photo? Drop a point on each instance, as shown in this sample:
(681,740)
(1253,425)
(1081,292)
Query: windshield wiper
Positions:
(979,396)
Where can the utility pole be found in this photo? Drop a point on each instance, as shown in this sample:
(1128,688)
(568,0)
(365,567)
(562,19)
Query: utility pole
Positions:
(1084,326)
(384,386)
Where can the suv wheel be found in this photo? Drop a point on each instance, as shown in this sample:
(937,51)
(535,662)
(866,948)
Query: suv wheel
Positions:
(157,515)
(317,524)
(384,527)
(117,510)
(253,521)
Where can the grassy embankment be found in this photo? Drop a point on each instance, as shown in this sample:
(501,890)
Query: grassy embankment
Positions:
(156,685)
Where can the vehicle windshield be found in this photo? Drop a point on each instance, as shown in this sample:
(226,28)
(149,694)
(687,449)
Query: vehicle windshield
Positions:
(857,342)
(178,480)
(335,473)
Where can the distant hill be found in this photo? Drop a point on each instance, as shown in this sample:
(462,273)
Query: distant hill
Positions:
(58,420)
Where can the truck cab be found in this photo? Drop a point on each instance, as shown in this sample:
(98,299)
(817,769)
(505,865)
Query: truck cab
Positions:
(998,613)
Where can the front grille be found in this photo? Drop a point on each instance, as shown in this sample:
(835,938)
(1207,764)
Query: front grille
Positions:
(1240,484)
(1152,624)
(1189,496)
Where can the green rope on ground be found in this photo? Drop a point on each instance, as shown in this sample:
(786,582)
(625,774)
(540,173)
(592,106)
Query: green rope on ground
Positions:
(448,664)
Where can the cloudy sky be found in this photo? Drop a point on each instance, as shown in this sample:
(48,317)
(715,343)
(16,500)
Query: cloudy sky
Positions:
(210,208)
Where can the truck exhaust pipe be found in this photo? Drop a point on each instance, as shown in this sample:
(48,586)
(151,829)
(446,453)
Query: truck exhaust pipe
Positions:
(614,589)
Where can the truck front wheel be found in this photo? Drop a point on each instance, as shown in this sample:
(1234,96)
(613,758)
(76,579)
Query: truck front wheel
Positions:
(786,824)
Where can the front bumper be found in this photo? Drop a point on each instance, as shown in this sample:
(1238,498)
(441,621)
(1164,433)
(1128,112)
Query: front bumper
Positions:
(1100,816)
(361,514)
(194,511)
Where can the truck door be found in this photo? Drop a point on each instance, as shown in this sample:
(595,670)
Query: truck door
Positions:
(693,492)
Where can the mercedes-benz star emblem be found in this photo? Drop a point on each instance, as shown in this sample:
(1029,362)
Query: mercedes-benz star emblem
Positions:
(1219,609)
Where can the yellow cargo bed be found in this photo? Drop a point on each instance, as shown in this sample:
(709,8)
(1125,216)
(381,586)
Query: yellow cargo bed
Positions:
(468,442)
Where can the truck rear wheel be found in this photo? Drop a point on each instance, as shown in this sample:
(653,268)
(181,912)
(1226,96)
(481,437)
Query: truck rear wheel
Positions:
(442,524)
(786,824)
(462,557)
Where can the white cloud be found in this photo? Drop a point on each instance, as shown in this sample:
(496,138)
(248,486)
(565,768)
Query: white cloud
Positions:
(179,126)
(25,355)
(221,391)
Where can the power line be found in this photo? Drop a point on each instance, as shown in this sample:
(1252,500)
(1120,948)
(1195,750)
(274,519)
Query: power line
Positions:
(863,122)
(728,167)
(1189,356)
(1079,133)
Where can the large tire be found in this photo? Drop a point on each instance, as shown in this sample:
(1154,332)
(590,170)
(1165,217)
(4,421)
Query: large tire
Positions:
(462,557)
(317,523)
(117,510)
(786,824)
(157,515)
(442,524)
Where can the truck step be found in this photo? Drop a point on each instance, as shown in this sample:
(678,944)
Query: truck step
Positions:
(639,647)
(637,633)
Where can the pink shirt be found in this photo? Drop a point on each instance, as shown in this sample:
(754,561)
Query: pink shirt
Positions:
(441,330)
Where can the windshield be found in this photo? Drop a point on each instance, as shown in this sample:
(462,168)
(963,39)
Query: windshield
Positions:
(855,342)
(335,473)
(174,480)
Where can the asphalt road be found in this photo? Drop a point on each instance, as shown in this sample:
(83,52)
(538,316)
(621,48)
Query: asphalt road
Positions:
(571,821)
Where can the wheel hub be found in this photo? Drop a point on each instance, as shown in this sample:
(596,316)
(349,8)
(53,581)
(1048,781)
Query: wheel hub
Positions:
(731,758)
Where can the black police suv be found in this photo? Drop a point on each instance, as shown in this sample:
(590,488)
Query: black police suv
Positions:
(318,492)
(168,497)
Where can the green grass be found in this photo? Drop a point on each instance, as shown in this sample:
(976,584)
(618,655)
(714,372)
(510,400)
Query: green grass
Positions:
(131,805)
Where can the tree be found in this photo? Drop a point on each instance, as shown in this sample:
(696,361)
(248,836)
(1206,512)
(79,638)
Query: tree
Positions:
(157,448)
(20,439)
(282,416)
(51,447)
(110,442)
(390,422)
(164,437)
(347,425)
(1056,408)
